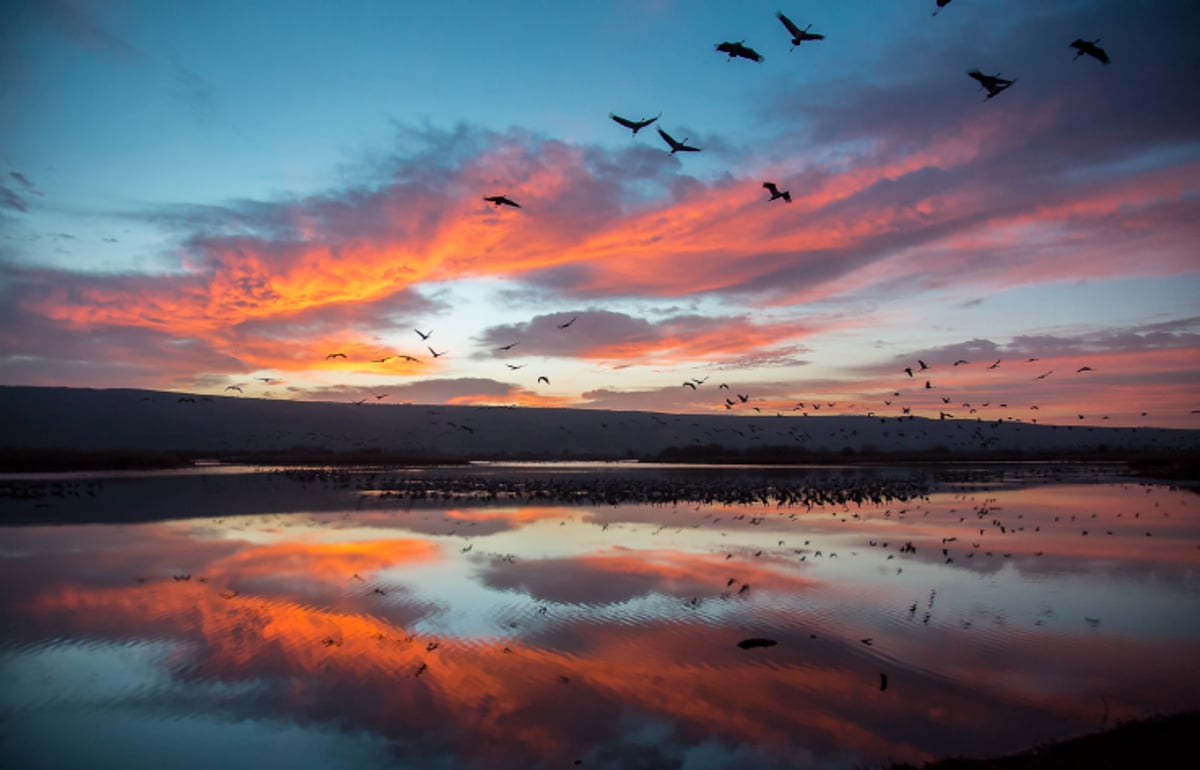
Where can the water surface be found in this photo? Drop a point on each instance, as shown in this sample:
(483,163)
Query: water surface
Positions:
(347,619)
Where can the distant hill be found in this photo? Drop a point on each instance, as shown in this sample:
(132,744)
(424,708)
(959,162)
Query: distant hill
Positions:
(106,420)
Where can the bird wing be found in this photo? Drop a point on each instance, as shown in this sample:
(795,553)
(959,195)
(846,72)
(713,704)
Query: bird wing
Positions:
(771,188)
(623,121)
(668,139)
(791,27)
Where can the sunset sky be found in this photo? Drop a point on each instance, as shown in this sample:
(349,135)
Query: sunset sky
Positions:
(196,195)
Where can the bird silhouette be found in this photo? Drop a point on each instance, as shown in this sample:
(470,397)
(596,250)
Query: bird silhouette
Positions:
(993,84)
(568,323)
(798,35)
(1090,48)
(634,125)
(677,146)
(423,335)
(515,367)
(335,355)
(501,200)
(1084,369)
(436,354)
(739,50)
(689,384)
(509,346)
(233,387)
(776,192)
(961,361)
(924,365)
(544,379)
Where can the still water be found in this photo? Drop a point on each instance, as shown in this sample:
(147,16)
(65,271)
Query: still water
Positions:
(329,619)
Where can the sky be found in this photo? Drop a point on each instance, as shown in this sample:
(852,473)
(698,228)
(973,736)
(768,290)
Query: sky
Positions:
(214,197)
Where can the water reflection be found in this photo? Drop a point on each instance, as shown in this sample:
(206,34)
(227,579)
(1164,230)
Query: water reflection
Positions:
(380,631)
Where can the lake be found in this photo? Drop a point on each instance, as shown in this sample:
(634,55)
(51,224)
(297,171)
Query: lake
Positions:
(514,616)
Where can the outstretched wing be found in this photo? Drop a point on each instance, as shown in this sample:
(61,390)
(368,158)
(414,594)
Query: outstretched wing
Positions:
(791,27)
(623,121)
(771,188)
(669,139)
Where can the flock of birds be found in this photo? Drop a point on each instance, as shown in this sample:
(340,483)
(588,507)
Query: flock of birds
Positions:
(993,85)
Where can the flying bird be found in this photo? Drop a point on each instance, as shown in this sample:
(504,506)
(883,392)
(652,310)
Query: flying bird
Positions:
(544,379)
(634,125)
(961,361)
(233,387)
(501,200)
(334,355)
(776,192)
(993,84)
(798,35)
(739,50)
(515,367)
(383,360)
(509,346)
(424,335)
(690,384)
(1090,48)
(1084,369)
(675,145)
(434,353)
(924,365)
(568,323)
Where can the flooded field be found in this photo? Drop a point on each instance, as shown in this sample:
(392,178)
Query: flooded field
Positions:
(575,615)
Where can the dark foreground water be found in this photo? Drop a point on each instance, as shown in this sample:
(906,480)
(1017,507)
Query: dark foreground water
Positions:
(330,620)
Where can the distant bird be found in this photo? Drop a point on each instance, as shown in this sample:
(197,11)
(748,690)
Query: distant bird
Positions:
(544,379)
(722,386)
(410,359)
(928,385)
(739,50)
(434,353)
(675,145)
(380,396)
(924,365)
(233,387)
(993,84)
(424,335)
(265,379)
(383,360)
(742,398)
(568,323)
(961,361)
(776,192)
(691,385)
(940,5)
(798,35)
(515,367)
(1090,48)
(186,400)
(1044,375)
(509,346)
(747,644)
(634,125)
(993,366)
(335,355)
(1084,369)
(908,371)
(501,200)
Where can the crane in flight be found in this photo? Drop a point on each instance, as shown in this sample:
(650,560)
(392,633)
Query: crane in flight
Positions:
(798,35)
(1090,48)
(501,200)
(677,146)
(634,125)
(993,84)
(739,50)
(776,192)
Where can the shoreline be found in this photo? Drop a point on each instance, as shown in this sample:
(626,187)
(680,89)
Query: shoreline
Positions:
(1155,741)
